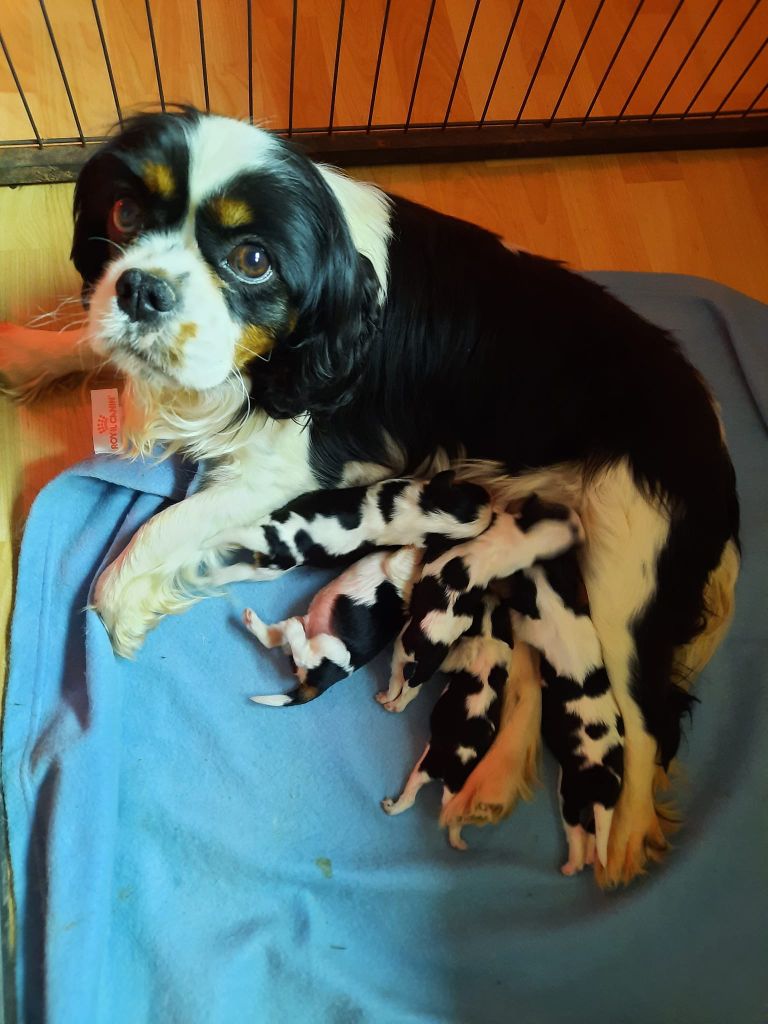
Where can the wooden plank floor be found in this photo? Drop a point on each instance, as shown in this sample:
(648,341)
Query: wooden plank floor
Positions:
(693,213)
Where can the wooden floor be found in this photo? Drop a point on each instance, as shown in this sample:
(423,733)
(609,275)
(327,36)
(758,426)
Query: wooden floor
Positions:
(692,213)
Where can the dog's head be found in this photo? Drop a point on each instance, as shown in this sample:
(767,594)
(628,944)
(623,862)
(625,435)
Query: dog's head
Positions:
(210,249)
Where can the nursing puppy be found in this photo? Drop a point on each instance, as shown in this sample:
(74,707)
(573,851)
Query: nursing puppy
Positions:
(347,624)
(581,722)
(298,329)
(465,719)
(450,590)
(326,528)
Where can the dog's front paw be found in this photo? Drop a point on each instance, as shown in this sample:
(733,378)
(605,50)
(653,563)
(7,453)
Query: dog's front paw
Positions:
(129,606)
(637,835)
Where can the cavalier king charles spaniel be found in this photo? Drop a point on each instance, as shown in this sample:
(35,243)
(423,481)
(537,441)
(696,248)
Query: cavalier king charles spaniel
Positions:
(295,329)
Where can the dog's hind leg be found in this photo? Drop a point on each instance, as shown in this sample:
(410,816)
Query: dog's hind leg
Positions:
(268,636)
(407,798)
(508,771)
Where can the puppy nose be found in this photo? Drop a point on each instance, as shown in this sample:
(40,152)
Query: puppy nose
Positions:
(142,296)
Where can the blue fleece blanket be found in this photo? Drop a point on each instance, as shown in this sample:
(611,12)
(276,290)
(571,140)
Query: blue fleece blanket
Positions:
(180,854)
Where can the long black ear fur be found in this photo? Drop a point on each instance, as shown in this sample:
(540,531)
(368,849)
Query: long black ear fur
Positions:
(315,369)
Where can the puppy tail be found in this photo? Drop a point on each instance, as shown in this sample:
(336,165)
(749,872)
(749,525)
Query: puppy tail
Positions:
(299,695)
(275,700)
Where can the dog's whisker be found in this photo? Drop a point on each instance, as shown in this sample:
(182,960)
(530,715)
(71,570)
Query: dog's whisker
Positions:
(101,238)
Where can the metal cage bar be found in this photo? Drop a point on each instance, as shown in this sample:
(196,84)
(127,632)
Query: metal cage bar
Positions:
(685,59)
(22,95)
(540,61)
(336,65)
(576,61)
(435,136)
(60,62)
(651,56)
(377,72)
(107,61)
(740,79)
(155,58)
(500,65)
(723,54)
(417,76)
(460,67)
(613,59)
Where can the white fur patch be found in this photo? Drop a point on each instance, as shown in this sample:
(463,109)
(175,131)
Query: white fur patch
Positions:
(221,148)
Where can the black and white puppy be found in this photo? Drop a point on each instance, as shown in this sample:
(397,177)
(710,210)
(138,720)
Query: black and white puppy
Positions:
(446,597)
(465,719)
(300,329)
(347,624)
(581,722)
(327,528)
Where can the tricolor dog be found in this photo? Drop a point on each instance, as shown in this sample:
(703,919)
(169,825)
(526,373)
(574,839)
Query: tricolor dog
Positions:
(298,329)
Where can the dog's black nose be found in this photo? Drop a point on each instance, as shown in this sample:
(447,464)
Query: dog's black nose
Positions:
(142,295)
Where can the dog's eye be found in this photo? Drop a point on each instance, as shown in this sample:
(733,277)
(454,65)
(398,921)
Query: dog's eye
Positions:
(250,262)
(125,218)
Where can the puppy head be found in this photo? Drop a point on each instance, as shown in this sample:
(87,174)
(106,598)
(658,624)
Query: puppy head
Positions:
(211,249)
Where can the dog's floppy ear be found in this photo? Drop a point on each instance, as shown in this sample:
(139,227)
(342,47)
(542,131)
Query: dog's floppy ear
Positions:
(315,369)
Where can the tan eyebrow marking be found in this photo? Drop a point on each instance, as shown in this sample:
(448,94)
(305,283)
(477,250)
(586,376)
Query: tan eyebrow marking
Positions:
(159,178)
(230,213)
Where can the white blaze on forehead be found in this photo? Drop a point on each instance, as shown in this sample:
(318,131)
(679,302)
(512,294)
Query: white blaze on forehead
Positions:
(220,149)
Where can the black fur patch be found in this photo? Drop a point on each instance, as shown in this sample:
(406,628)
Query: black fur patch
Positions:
(534,510)
(468,602)
(497,678)
(564,689)
(501,625)
(614,760)
(454,574)
(564,576)
(364,629)
(388,495)
(344,506)
(318,557)
(597,683)
(522,596)
(436,544)
(595,730)
(280,555)
(324,675)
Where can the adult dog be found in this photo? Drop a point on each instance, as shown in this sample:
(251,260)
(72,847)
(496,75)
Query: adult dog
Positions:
(299,329)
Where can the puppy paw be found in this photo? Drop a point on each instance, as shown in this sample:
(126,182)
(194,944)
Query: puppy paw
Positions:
(387,805)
